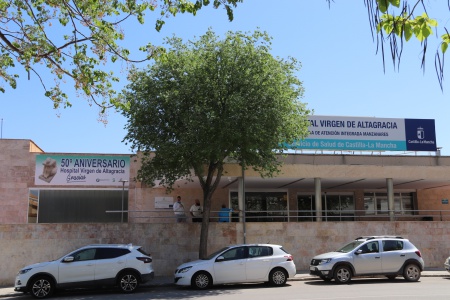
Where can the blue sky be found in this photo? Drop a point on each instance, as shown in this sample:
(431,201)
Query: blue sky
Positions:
(341,73)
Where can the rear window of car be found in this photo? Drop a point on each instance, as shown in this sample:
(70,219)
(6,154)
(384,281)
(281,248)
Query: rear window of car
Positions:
(284,250)
(392,245)
(106,253)
(142,251)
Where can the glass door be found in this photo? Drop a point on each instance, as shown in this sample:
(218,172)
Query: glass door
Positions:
(335,207)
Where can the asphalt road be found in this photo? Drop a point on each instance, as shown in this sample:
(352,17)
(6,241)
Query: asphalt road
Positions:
(435,288)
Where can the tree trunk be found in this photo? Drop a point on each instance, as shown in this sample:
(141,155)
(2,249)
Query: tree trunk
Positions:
(203,251)
(208,187)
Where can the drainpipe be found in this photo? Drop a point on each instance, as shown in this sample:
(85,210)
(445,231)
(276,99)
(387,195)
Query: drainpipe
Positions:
(390,194)
(318,197)
(241,196)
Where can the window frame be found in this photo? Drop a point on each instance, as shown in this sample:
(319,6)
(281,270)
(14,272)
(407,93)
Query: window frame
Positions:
(379,203)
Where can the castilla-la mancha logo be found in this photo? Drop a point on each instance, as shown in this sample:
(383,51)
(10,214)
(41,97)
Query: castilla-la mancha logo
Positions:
(420,133)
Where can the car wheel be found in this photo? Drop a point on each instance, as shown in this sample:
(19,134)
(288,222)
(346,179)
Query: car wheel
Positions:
(391,277)
(411,272)
(327,279)
(277,277)
(201,280)
(342,274)
(128,282)
(41,287)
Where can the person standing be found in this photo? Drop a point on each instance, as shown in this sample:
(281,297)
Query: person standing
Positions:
(224,214)
(178,209)
(196,211)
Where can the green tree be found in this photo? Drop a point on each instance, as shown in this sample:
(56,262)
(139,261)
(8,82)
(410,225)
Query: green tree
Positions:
(209,101)
(78,39)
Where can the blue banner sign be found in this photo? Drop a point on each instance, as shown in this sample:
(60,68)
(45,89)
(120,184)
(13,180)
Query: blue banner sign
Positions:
(370,134)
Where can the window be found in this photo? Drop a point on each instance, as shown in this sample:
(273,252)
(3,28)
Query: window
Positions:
(390,245)
(86,254)
(235,253)
(142,251)
(378,204)
(371,247)
(306,206)
(338,207)
(106,253)
(262,206)
(76,206)
(33,203)
(258,251)
(335,207)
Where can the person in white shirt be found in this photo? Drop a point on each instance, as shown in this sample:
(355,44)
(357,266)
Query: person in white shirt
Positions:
(196,211)
(178,209)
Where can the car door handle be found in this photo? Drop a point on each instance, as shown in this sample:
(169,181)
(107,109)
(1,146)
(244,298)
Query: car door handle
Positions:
(377,257)
(402,255)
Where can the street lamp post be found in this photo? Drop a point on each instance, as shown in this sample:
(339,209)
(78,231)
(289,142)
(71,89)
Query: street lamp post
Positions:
(123,191)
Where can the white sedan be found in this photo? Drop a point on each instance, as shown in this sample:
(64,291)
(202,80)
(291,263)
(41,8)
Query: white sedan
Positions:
(238,264)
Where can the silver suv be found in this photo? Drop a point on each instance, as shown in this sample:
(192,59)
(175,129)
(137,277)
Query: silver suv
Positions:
(125,266)
(370,255)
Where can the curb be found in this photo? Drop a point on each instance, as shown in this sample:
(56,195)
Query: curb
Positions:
(9,291)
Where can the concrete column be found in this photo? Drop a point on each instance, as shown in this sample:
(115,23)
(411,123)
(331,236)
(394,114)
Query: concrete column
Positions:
(390,195)
(318,197)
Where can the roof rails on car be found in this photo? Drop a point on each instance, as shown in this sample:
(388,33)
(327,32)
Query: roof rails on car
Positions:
(130,245)
(371,237)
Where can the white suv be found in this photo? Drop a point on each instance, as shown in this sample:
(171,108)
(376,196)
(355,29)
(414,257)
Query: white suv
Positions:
(375,255)
(125,266)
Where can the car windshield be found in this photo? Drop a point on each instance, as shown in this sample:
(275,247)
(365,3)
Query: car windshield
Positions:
(211,256)
(350,246)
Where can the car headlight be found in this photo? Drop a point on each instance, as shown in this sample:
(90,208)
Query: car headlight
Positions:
(184,270)
(324,261)
(23,271)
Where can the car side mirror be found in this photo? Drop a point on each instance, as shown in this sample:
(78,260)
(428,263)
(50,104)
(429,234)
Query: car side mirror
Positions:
(220,258)
(68,259)
(358,252)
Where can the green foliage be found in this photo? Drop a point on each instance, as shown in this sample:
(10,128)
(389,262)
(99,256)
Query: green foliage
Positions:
(445,42)
(383,5)
(421,26)
(403,20)
(207,101)
(77,40)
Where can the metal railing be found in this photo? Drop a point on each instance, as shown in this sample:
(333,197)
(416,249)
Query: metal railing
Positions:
(167,215)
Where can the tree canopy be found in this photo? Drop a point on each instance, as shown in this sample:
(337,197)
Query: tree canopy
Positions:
(209,101)
(78,40)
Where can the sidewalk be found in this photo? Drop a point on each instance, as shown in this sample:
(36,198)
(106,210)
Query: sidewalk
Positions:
(300,276)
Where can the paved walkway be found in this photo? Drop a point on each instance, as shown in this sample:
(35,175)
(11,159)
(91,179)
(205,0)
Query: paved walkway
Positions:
(301,275)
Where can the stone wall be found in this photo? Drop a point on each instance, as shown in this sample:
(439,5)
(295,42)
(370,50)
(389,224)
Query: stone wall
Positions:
(24,244)
(16,175)
(435,203)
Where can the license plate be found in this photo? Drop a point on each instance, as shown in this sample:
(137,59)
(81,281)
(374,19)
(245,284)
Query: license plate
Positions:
(312,268)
